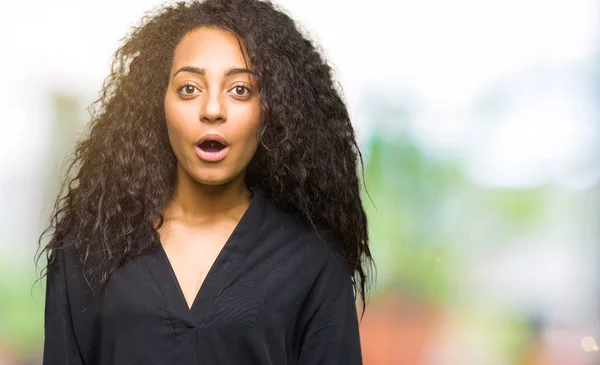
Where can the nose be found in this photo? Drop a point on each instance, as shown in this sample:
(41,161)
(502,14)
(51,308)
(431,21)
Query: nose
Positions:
(213,110)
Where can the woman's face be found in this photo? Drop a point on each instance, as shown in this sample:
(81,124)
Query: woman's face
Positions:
(211,107)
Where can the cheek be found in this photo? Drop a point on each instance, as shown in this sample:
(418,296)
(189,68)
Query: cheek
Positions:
(254,135)
(177,119)
(244,124)
(254,122)
(251,131)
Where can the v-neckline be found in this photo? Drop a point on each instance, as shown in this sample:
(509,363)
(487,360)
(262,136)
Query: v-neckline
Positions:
(227,260)
(174,275)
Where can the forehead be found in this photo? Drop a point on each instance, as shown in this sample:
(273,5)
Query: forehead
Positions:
(209,48)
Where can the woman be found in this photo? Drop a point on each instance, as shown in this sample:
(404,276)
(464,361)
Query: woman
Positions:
(215,215)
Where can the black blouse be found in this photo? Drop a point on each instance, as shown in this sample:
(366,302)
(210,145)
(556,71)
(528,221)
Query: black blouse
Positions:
(276,294)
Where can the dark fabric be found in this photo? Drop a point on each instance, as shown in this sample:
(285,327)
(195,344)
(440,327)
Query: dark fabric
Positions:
(278,294)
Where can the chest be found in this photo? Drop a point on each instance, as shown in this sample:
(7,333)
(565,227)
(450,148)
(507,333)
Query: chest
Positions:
(247,300)
(191,253)
(259,272)
(241,289)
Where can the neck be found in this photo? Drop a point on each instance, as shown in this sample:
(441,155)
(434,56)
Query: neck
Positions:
(196,202)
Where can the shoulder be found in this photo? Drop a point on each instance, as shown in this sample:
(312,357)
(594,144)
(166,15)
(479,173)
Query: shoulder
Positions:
(316,271)
(70,262)
(315,254)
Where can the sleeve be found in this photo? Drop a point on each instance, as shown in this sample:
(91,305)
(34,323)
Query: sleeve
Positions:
(332,335)
(60,346)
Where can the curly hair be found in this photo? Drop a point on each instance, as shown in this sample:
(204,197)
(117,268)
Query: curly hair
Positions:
(123,172)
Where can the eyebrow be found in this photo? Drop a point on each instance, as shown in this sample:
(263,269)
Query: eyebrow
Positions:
(202,72)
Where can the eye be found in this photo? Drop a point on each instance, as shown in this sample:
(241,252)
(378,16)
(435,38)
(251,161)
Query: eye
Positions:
(187,89)
(240,91)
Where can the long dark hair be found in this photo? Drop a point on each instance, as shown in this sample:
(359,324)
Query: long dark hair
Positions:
(123,172)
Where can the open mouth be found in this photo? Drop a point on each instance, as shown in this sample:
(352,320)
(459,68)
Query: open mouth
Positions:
(211,146)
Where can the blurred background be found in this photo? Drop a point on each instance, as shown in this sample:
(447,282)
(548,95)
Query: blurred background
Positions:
(479,124)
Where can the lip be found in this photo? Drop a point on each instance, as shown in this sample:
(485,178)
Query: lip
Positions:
(212,137)
(212,156)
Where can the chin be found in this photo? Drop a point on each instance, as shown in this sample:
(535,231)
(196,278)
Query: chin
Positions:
(213,178)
